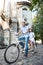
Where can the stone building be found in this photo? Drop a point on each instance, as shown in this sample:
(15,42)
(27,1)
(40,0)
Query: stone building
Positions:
(23,12)
(17,11)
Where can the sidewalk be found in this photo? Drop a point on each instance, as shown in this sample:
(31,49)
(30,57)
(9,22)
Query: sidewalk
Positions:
(32,59)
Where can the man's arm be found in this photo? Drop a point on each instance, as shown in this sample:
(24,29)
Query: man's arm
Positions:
(27,31)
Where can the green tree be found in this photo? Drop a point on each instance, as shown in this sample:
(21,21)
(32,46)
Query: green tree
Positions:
(38,22)
(36,4)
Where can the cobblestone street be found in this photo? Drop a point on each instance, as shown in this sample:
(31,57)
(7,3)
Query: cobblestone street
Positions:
(32,59)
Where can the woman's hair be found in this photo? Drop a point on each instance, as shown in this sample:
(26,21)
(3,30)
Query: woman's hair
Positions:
(31,29)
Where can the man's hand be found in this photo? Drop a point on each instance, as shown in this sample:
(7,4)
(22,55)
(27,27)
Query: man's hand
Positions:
(16,33)
(24,33)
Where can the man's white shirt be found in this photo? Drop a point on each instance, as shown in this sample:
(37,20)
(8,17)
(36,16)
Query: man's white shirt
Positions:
(24,29)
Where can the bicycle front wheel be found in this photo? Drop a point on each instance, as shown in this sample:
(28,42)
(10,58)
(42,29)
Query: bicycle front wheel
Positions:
(11,53)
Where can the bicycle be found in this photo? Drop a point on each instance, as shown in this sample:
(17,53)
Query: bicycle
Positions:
(12,52)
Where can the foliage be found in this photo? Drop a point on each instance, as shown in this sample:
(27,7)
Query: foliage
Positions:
(36,4)
(38,24)
(38,20)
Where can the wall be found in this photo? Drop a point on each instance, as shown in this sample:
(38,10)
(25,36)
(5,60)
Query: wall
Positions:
(22,14)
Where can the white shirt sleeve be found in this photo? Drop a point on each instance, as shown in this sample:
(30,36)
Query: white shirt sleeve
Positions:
(33,35)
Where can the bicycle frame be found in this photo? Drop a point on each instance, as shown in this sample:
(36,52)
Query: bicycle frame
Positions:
(16,39)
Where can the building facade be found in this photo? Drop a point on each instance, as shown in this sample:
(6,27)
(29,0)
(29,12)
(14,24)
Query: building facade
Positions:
(23,12)
(17,11)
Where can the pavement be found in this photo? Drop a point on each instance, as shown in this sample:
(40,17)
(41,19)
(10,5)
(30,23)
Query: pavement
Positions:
(32,59)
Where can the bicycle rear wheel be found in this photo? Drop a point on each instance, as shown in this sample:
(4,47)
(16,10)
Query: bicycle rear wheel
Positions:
(11,53)
(35,45)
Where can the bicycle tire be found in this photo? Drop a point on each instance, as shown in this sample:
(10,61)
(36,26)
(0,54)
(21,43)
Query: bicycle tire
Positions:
(18,51)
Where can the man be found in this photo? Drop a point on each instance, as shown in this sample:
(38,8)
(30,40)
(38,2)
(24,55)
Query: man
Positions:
(24,30)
